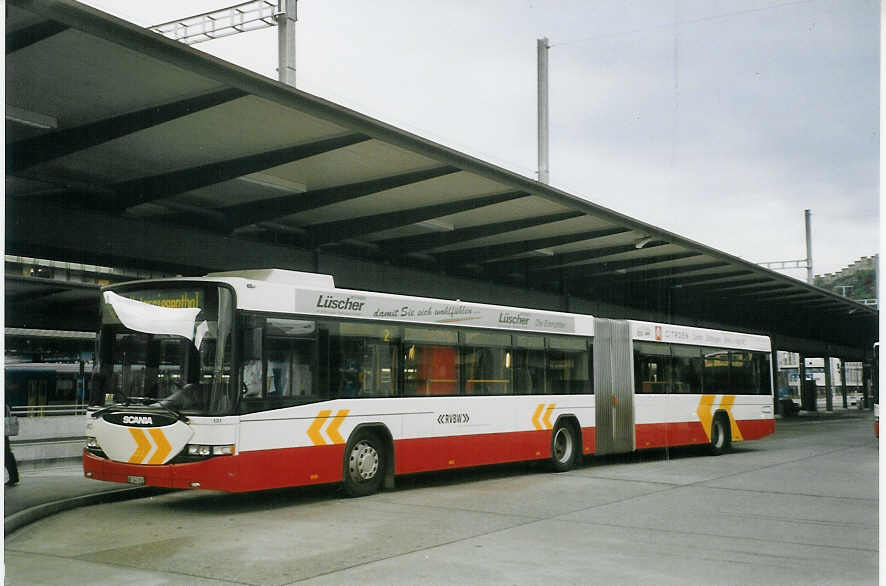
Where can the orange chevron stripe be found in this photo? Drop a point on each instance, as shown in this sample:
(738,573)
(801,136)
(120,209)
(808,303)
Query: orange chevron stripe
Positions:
(705,413)
(314,429)
(535,421)
(547,417)
(726,404)
(163,447)
(332,430)
(144,446)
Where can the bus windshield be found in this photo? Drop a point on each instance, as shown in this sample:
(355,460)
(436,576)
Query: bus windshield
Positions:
(166,347)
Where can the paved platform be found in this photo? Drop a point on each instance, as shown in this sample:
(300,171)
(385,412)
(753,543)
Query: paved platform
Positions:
(47,488)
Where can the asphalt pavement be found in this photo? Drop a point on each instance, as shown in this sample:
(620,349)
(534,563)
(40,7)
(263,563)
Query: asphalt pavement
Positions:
(47,488)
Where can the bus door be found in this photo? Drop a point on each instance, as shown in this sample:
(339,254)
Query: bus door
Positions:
(613,386)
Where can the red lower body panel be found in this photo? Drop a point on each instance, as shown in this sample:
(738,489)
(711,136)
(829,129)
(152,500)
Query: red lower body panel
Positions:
(267,469)
(441,453)
(660,435)
(756,428)
(217,473)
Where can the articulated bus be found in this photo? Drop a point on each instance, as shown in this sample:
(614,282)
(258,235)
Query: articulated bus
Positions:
(263,379)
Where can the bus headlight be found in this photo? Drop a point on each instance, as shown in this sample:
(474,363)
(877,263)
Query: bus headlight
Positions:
(222,450)
(198,450)
(92,443)
(206,451)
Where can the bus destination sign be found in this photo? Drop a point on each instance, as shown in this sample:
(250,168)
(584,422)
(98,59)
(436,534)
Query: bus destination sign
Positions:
(169,298)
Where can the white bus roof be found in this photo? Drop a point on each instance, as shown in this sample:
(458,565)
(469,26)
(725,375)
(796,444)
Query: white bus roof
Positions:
(288,292)
(282,291)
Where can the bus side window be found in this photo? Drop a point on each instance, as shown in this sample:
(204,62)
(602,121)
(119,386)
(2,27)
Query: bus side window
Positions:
(363,359)
(762,371)
(652,368)
(716,371)
(569,366)
(741,372)
(251,344)
(688,365)
(430,366)
(289,348)
(529,365)
(487,362)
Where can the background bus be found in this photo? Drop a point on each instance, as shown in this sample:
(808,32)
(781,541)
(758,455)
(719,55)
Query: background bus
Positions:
(47,388)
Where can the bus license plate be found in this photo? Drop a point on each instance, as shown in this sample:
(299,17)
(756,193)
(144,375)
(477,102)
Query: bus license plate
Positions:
(135,479)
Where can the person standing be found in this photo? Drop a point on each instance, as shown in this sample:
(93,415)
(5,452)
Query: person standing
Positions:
(10,427)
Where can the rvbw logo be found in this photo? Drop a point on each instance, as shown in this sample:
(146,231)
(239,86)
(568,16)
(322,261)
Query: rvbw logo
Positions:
(453,418)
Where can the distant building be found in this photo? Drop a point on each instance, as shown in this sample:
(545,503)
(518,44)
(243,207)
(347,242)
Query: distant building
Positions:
(858,281)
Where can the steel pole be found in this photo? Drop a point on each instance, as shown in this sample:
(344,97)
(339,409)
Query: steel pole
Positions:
(809,273)
(543,169)
(286,17)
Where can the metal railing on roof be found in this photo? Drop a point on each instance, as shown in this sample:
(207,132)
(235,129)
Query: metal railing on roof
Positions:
(223,22)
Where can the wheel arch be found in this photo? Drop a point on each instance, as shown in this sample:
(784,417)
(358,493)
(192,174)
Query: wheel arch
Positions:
(569,419)
(723,414)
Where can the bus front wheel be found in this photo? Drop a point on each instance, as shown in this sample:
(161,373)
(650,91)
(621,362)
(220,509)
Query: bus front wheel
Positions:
(364,466)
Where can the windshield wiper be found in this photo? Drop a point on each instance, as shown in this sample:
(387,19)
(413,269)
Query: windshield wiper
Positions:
(179,416)
(170,410)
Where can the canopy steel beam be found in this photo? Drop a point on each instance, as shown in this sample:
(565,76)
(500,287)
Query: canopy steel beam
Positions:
(681,281)
(18,40)
(425,242)
(730,286)
(784,295)
(146,189)
(570,258)
(94,237)
(354,227)
(764,291)
(527,265)
(33,151)
(274,208)
(483,254)
(668,272)
(584,271)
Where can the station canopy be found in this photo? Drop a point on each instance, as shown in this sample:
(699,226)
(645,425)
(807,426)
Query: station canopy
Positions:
(125,147)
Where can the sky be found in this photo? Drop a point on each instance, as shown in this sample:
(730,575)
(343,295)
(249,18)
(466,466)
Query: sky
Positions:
(719,120)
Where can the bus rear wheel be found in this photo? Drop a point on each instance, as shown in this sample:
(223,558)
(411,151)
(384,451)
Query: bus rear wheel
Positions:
(364,466)
(720,435)
(564,447)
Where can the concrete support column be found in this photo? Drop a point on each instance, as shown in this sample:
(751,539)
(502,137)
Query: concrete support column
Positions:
(828,387)
(866,383)
(801,373)
(843,384)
